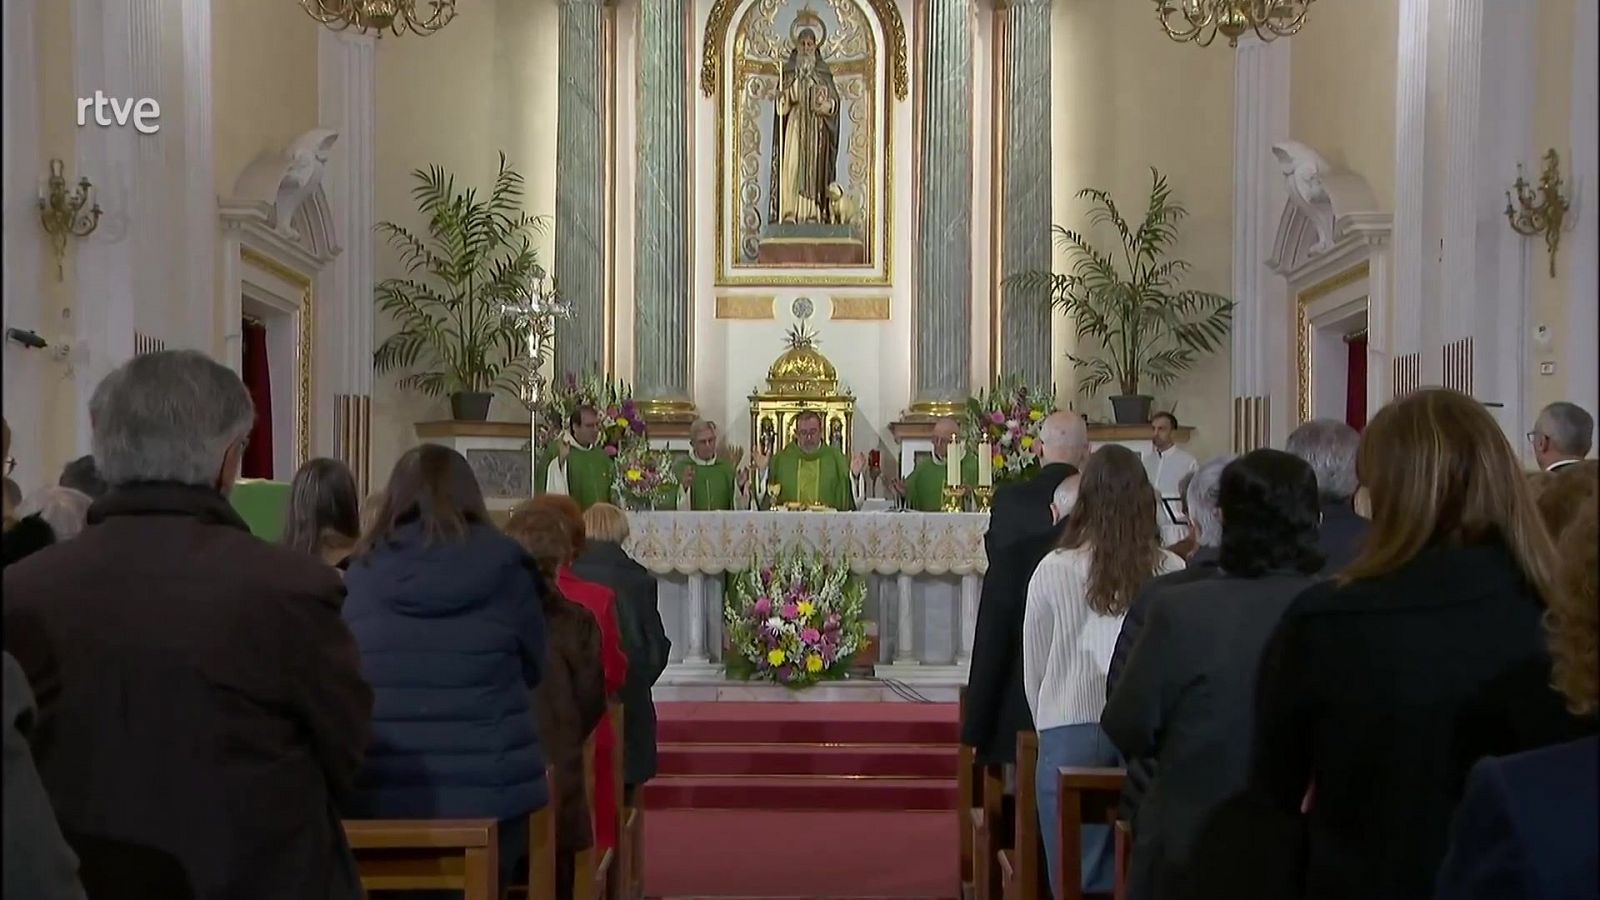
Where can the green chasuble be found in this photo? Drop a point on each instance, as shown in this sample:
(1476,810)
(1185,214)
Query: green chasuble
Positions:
(925,487)
(713,484)
(590,474)
(822,477)
(262,505)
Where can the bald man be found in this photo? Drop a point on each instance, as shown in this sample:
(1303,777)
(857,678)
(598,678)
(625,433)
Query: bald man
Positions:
(1024,525)
(924,490)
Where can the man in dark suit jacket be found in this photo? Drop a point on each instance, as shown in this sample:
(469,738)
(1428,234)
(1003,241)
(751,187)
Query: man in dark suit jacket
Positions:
(1329,446)
(201,703)
(1023,528)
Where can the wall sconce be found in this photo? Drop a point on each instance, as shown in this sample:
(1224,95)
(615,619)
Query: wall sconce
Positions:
(62,213)
(1540,212)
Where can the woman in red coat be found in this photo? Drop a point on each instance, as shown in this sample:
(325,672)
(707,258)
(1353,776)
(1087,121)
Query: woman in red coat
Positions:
(600,601)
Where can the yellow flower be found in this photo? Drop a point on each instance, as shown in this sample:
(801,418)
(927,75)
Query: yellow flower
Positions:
(1035,415)
(813,663)
(999,460)
(623,421)
(806,608)
(634,474)
(1027,441)
(775,657)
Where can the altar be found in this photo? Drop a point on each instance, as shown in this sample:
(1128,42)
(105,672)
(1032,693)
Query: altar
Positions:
(923,571)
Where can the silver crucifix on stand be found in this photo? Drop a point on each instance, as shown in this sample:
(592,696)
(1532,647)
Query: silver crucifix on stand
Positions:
(537,312)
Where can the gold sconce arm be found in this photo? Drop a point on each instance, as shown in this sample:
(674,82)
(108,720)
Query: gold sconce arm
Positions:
(1540,210)
(62,213)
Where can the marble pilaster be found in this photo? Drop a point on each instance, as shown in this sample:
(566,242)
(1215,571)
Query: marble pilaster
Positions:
(943,325)
(1025,321)
(581,214)
(661,239)
(1582,247)
(1410,244)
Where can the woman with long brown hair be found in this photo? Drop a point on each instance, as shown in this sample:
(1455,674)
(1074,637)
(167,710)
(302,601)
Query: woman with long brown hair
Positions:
(446,612)
(324,516)
(1370,679)
(1076,600)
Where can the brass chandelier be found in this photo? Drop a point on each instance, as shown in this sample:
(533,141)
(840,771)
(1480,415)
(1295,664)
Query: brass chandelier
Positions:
(395,16)
(1200,21)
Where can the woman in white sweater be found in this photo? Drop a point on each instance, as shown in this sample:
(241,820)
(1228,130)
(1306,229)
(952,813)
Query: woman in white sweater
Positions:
(1076,600)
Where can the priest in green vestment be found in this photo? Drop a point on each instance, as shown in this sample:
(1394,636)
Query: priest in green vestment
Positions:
(924,489)
(708,481)
(810,472)
(578,464)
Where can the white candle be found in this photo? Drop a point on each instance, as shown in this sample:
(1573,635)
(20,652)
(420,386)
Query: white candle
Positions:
(985,465)
(952,465)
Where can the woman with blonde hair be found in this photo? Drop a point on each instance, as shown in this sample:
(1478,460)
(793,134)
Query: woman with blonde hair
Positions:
(1370,677)
(1076,602)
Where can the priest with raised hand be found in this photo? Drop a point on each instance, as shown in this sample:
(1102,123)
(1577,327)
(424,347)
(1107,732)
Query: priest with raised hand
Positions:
(709,482)
(582,468)
(924,490)
(810,472)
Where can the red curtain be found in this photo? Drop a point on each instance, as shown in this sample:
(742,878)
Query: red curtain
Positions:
(258,381)
(1355,385)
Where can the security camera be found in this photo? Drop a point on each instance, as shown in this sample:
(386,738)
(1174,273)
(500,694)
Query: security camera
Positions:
(28,339)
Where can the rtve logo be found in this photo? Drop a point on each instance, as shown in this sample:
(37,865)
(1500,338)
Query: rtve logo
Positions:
(109,111)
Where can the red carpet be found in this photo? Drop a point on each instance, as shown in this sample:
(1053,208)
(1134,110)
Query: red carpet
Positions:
(803,800)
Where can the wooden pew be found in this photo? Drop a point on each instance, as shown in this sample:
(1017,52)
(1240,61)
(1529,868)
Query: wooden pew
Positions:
(541,884)
(1023,873)
(602,875)
(424,854)
(968,783)
(988,832)
(1088,797)
(627,880)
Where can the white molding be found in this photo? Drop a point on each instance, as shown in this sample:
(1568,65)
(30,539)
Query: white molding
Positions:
(1582,245)
(199,202)
(1410,178)
(1456,303)
(346,80)
(29,406)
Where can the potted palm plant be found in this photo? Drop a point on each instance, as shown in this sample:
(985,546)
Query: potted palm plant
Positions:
(1127,300)
(459,331)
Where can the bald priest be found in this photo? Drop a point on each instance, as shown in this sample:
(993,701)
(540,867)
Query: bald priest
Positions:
(924,489)
(810,472)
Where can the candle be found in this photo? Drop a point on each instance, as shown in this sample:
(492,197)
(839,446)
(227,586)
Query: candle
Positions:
(952,465)
(985,465)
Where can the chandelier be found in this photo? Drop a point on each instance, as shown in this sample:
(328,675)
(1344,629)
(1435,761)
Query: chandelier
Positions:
(396,16)
(1200,21)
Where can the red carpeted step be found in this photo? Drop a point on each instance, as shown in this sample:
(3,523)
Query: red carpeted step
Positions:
(924,761)
(798,792)
(807,723)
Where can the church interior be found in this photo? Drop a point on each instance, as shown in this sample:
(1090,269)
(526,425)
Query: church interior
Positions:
(1196,224)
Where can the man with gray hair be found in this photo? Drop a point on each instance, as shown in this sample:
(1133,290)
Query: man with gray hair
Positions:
(1329,446)
(204,700)
(707,480)
(1562,436)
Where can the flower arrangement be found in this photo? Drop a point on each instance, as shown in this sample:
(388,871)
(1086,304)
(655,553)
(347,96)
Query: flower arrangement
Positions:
(621,423)
(795,621)
(645,478)
(1007,416)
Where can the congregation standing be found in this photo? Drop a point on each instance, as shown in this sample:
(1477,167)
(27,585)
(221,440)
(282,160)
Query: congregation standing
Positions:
(193,712)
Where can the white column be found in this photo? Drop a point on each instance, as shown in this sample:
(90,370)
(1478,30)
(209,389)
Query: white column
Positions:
(1582,246)
(27,372)
(905,651)
(694,606)
(347,103)
(201,228)
(1462,46)
(1410,174)
(970,587)
(1261,74)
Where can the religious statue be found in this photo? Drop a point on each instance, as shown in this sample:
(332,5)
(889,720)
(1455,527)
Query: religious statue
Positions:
(805,130)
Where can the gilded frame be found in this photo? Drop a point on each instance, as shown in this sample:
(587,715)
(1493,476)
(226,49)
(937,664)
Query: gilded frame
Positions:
(305,349)
(1302,328)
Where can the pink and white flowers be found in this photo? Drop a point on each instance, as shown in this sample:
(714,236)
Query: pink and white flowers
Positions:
(795,621)
(1007,417)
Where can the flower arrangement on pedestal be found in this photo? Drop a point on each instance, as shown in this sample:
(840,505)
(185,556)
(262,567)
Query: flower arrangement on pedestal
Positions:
(1007,417)
(645,478)
(795,621)
(622,425)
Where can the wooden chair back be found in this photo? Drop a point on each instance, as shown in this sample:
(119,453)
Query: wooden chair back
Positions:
(540,878)
(627,880)
(1023,872)
(987,833)
(968,784)
(587,861)
(427,854)
(1087,797)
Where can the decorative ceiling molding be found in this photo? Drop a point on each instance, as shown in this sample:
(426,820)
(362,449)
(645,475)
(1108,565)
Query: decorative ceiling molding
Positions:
(1330,220)
(278,200)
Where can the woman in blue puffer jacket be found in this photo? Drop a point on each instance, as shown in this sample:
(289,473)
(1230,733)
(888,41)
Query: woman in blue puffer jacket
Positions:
(447,612)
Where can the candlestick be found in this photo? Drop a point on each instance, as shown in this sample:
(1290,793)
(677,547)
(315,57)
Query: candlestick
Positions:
(985,464)
(952,465)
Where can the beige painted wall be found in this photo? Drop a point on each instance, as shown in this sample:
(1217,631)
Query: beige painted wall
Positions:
(1552,128)
(1126,98)
(485,83)
(264,81)
(1342,88)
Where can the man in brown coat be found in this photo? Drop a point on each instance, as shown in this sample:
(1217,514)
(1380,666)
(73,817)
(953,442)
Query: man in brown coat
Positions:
(201,704)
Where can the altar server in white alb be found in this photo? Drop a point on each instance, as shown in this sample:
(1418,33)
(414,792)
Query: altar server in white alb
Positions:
(1168,465)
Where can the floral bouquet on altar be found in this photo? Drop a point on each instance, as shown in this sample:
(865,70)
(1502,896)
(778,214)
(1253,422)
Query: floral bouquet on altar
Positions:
(645,479)
(1007,416)
(795,621)
(621,424)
